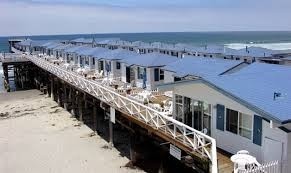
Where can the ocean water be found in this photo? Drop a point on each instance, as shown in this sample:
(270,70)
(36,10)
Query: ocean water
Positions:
(233,39)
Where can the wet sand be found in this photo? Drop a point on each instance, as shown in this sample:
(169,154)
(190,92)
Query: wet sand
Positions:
(38,136)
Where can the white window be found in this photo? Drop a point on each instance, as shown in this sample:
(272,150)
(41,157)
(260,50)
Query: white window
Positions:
(245,125)
(239,123)
(159,74)
(179,107)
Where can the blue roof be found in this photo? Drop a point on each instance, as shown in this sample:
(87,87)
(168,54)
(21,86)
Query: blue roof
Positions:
(151,60)
(35,43)
(98,51)
(256,85)
(26,42)
(73,49)
(53,45)
(201,66)
(88,51)
(251,52)
(62,47)
(48,44)
(118,54)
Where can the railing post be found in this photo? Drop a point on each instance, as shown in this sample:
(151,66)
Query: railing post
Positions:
(214,167)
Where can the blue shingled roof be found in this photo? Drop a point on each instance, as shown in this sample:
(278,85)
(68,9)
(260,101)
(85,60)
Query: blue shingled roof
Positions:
(99,51)
(26,42)
(256,84)
(118,54)
(53,45)
(251,52)
(62,47)
(48,44)
(74,49)
(201,66)
(89,51)
(151,60)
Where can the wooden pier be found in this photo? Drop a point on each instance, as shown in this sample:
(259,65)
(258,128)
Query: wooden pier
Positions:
(91,102)
(19,70)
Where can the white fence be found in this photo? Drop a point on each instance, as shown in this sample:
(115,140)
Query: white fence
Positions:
(271,167)
(189,137)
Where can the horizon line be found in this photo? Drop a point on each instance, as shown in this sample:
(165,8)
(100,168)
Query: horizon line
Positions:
(154,32)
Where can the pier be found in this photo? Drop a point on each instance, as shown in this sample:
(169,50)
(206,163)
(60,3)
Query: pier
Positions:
(93,104)
(17,70)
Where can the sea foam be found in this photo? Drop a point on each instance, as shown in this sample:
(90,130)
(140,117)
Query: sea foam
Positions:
(273,46)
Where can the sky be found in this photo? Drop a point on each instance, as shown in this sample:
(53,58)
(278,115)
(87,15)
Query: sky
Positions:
(49,17)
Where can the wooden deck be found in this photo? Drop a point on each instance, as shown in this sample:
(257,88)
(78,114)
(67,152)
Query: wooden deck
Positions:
(13,60)
(224,163)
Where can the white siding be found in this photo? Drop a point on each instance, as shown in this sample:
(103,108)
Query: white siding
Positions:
(226,140)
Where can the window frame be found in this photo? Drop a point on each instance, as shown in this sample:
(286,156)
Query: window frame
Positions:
(118,65)
(162,74)
(228,117)
(156,74)
(239,114)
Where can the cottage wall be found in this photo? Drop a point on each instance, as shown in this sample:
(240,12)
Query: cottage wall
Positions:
(226,140)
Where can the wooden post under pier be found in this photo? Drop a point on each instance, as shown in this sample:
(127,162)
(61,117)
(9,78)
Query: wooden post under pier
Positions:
(73,101)
(80,106)
(52,88)
(65,97)
(112,116)
(95,124)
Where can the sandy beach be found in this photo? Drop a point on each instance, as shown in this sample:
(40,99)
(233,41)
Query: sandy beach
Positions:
(38,136)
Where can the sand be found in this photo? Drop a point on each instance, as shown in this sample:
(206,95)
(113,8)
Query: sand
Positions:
(37,136)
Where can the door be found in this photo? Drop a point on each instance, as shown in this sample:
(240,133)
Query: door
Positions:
(128,74)
(272,150)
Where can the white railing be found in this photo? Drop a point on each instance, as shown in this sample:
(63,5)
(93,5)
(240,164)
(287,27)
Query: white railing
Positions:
(271,167)
(185,135)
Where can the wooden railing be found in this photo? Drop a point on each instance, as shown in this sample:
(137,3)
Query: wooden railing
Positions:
(189,137)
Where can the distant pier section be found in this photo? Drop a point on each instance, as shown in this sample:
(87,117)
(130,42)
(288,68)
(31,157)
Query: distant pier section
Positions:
(16,70)
(12,43)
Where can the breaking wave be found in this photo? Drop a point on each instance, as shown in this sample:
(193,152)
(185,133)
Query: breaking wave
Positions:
(273,46)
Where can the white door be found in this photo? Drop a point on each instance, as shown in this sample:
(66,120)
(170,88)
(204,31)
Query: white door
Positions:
(273,150)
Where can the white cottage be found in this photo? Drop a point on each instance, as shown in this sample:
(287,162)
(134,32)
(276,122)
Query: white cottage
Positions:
(87,56)
(145,70)
(249,109)
(59,50)
(113,59)
(71,55)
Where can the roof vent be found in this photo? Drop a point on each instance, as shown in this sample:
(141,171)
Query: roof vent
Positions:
(277,95)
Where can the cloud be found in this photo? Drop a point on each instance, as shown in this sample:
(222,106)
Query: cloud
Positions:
(28,17)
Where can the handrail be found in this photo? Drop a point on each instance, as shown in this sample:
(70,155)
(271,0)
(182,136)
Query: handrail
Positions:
(191,138)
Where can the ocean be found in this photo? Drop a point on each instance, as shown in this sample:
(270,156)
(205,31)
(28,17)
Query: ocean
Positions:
(235,39)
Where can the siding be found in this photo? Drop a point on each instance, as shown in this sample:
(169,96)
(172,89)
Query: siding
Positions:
(226,140)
